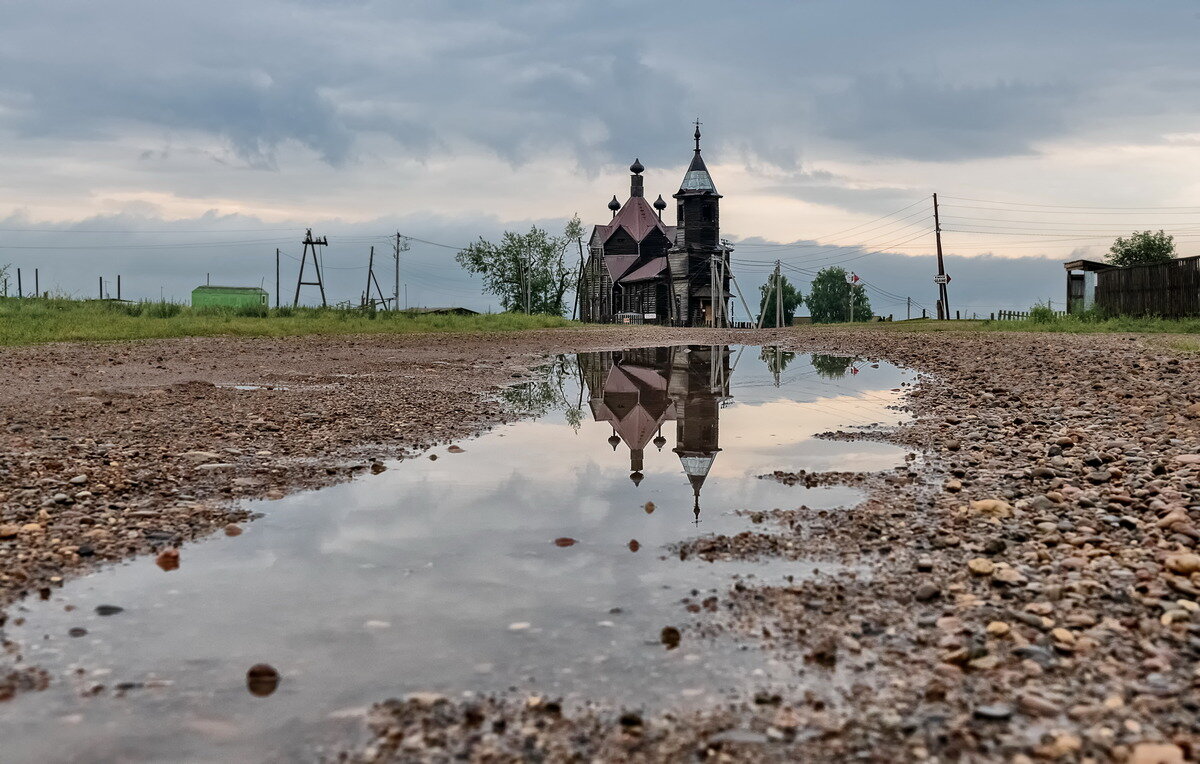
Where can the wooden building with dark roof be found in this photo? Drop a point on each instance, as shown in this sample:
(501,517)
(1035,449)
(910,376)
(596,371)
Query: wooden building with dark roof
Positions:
(639,266)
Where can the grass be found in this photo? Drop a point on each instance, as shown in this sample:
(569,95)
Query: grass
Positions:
(1060,324)
(33,321)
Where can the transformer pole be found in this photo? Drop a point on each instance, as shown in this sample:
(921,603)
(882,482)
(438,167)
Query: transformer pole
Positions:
(937,228)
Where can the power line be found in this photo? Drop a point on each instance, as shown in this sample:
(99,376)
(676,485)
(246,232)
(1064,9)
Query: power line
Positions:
(1065,206)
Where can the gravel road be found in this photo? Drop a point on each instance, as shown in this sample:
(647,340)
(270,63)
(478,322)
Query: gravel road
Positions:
(1033,576)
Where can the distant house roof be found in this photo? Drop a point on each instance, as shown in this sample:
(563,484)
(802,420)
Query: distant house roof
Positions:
(650,270)
(1087,265)
(456,311)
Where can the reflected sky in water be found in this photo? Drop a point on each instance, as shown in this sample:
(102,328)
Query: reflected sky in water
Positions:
(444,575)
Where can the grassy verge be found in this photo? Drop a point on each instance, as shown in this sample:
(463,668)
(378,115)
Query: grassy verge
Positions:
(1067,324)
(36,321)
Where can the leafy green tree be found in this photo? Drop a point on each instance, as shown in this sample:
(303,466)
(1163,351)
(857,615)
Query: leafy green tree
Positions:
(1142,248)
(792,299)
(829,299)
(527,271)
(832,366)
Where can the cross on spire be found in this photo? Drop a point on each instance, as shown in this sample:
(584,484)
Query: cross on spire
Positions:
(697,135)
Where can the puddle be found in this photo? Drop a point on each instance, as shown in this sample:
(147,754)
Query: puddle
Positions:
(455,574)
(254,387)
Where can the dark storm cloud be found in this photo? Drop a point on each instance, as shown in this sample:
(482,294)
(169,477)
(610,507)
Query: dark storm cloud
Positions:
(779,83)
(904,116)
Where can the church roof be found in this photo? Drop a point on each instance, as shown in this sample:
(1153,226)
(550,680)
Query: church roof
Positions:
(638,218)
(650,270)
(697,179)
(616,265)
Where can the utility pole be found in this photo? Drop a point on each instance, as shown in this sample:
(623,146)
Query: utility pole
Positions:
(310,244)
(20,289)
(778,297)
(118,286)
(402,245)
(908,314)
(575,310)
(101,287)
(941,279)
(277,278)
(371,279)
(37,286)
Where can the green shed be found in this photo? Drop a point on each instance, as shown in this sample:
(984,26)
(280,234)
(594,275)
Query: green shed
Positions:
(228,297)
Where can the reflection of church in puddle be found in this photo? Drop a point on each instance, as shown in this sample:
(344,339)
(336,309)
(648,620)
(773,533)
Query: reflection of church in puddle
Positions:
(638,391)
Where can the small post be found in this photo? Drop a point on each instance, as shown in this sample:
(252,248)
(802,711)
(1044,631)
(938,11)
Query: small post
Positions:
(20,289)
(923,313)
(101,278)
(208,279)
(118,286)
(37,286)
(909,313)
(958,315)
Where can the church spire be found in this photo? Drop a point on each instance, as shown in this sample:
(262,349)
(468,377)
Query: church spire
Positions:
(696,135)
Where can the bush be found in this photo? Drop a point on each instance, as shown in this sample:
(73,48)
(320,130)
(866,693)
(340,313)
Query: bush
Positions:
(1042,314)
(160,309)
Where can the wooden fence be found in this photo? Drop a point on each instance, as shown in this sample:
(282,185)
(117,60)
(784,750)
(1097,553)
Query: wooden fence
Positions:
(1170,290)
(1020,315)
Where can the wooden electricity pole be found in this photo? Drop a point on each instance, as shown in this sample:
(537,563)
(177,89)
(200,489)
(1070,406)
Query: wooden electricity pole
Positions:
(277,278)
(367,301)
(941,279)
(401,246)
(778,297)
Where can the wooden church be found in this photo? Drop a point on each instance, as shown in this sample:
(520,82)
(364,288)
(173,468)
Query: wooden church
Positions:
(641,270)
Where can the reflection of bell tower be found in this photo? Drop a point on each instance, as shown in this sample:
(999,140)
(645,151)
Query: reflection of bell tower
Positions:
(699,382)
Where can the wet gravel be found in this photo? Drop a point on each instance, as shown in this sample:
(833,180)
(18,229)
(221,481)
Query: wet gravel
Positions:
(1029,583)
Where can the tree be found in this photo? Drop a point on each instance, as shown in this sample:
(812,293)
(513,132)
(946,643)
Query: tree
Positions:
(832,366)
(528,271)
(777,360)
(829,300)
(1142,248)
(792,299)
(4,277)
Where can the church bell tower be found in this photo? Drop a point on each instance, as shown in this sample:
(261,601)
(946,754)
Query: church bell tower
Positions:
(694,283)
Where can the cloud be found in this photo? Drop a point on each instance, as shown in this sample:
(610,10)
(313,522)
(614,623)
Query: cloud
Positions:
(911,118)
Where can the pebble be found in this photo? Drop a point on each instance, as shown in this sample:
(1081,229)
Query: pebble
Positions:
(996,712)
(981,566)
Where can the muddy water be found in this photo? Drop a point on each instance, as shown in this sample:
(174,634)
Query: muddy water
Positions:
(455,574)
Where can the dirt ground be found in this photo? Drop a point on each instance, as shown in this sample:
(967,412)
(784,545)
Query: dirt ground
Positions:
(1034,576)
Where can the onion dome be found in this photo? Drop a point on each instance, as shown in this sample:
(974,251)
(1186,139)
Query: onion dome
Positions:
(636,168)
(660,441)
(659,204)
(614,205)
(614,440)
(636,477)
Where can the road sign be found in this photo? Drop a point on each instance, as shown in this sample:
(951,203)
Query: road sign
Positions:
(941,279)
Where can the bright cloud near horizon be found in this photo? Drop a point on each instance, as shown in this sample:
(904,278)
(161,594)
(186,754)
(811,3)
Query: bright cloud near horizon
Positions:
(450,121)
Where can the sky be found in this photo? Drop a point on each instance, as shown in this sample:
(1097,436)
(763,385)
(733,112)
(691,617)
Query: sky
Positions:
(174,143)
